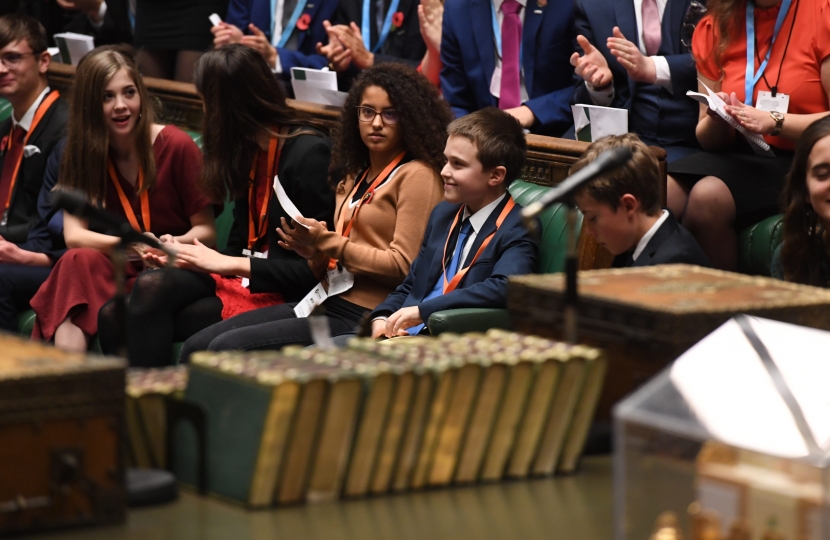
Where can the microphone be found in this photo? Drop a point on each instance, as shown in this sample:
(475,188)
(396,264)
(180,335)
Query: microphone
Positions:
(605,162)
(75,202)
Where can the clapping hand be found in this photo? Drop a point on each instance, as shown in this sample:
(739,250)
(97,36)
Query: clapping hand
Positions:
(225,34)
(752,119)
(338,56)
(259,42)
(591,66)
(430,18)
(640,68)
(352,39)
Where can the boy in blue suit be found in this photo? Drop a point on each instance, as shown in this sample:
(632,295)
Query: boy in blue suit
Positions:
(622,210)
(475,238)
(476,59)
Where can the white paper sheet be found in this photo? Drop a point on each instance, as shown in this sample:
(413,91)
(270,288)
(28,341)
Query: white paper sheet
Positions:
(600,121)
(215,19)
(714,102)
(335,98)
(74,46)
(308,83)
(286,203)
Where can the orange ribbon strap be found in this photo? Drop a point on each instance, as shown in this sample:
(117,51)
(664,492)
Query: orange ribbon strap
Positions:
(125,202)
(258,228)
(39,113)
(449,287)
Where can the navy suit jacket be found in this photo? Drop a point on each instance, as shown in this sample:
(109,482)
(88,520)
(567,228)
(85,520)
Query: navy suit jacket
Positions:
(243,12)
(469,58)
(596,19)
(512,251)
(671,244)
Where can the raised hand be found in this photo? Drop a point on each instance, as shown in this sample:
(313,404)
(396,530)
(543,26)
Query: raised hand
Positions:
(640,68)
(430,18)
(591,66)
(352,39)
(225,34)
(259,42)
(338,56)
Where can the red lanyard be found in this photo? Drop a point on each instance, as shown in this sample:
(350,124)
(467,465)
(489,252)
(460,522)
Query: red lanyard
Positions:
(125,203)
(449,287)
(366,198)
(39,113)
(258,228)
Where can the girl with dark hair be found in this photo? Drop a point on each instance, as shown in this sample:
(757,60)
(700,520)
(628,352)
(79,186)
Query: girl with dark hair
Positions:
(250,135)
(769,61)
(804,255)
(122,160)
(388,151)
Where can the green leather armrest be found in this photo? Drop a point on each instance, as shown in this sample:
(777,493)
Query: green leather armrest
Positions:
(468,320)
(26,322)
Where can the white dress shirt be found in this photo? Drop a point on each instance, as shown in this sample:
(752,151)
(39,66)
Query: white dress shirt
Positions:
(661,65)
(29,115)
(641,245)
(496,88)
(477,222)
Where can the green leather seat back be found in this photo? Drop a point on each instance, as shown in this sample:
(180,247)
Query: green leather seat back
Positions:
(5,109)
(553,246)
(756,245)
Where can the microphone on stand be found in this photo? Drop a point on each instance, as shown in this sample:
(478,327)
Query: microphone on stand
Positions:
(605,162)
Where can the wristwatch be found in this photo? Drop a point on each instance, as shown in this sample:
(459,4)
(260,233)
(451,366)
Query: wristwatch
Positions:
(779,122)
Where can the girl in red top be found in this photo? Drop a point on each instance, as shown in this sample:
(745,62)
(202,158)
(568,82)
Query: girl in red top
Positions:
(728,187)
(145,172)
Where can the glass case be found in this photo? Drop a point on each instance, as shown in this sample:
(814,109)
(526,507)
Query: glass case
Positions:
(731,441)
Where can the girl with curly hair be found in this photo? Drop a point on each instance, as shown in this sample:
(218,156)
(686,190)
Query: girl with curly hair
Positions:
(388,151)
(804,255)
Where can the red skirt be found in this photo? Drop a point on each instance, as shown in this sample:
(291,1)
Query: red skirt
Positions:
(82,281)
(237,299)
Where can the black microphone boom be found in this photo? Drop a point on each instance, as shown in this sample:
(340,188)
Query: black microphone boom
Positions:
(606,161)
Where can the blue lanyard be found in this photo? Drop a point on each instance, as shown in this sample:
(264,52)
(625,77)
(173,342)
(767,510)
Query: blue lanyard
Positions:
(753,77)
(387,25)
(292,24)
(497,33)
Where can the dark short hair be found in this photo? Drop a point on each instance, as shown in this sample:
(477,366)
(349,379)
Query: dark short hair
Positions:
(498,137)
(18,27)
(639,176)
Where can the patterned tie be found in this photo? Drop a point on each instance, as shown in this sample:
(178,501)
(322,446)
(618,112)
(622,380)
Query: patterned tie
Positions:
(12,155)
(510,94)
(287,11)
(651,27)
(452,269)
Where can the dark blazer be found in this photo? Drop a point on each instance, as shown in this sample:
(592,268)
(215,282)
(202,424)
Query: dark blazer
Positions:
(677,117)
(116,27)
(243,12)
(512,251)
(23,207)
(46,234)
(469,58)
(303,172)
(671,244)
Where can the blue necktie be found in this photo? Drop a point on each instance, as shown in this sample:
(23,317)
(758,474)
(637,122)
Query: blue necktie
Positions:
(452,269)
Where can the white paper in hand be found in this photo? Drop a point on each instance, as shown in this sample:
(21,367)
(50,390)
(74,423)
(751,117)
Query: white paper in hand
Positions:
(715,103)
(286,203)
(215,19)
(307,84)
(593,122)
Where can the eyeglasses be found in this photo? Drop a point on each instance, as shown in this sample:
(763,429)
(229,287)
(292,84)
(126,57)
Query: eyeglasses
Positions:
(693,15)
(13,59)
(390,117)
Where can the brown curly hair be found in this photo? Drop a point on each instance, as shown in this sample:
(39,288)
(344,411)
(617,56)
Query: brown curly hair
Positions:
(424,117)
(801,250)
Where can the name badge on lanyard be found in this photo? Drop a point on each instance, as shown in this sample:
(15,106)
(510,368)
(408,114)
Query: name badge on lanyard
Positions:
(778,103)
(752,77)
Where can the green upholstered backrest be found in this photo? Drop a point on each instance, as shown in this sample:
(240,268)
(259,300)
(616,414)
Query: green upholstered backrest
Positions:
(553,246)
(5,109)
(756,245)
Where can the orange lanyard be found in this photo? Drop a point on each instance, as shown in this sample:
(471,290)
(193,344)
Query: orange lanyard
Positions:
(39,113)
(258,228)
(449,287)
(384,174)
(125,202)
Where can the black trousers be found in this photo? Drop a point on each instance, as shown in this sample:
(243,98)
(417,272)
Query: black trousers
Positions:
(18,284)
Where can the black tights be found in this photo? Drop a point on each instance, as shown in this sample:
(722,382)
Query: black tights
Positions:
(165,306)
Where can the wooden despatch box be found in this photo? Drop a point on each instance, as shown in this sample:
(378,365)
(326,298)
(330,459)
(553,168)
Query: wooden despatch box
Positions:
(61,438)
(646,317)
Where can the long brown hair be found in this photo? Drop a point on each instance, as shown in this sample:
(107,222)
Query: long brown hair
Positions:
(242,99)
(801,252)
(424,117)
(727,16)
(84,161)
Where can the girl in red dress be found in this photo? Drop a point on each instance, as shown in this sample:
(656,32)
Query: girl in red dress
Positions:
(137,169)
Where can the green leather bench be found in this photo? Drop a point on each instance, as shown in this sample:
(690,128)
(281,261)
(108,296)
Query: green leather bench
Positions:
(756,245)
(553,248)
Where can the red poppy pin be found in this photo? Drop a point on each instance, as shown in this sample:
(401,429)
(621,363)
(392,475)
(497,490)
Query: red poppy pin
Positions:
(397,20)
(303,22)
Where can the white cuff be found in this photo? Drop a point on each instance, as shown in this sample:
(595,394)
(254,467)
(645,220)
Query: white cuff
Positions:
(601,97)
(661,69)
(381,318)
(277,67)
(102,12)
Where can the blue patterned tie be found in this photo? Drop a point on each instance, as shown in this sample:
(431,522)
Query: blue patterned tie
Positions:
(455,262)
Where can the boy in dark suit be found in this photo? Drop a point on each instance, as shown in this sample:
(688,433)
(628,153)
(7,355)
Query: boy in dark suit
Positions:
(475,238)
(622,210)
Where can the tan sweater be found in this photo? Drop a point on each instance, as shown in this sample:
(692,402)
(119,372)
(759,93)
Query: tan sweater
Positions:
(387,234)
